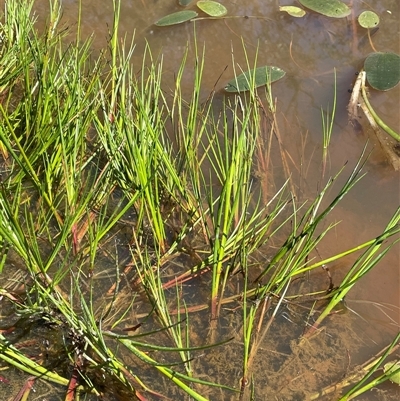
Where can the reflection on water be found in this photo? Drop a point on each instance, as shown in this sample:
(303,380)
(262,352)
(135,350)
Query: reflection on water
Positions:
(308,49)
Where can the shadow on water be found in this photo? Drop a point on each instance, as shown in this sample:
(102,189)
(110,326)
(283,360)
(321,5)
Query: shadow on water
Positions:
(309,49)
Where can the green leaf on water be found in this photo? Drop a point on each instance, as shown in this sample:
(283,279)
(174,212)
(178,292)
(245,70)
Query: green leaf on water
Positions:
(184,2)
(261,75)
(177,18)
(391,367)
(330,8)
(212,8)
(368,19)
(383,70)
(293,11)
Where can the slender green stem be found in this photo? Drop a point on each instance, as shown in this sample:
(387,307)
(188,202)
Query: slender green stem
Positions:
(377,119)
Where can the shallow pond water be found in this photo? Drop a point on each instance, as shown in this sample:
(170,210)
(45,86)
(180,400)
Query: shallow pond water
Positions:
(309,49)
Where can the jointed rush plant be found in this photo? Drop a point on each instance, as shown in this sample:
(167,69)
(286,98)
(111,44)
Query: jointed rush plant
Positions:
(127,212)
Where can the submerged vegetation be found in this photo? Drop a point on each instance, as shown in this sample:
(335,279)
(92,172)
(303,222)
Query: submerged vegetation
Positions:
(134,236)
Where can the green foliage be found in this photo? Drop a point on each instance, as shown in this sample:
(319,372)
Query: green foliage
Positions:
(368,19)
(393,369)
(177,18)
(331,8)
(99,154)
(383,70)
(212,8)
(257,77)
(327,127)
(366,384)
(293,11)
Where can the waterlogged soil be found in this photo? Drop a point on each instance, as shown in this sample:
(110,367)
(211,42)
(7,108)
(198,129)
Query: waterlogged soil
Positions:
(309,49)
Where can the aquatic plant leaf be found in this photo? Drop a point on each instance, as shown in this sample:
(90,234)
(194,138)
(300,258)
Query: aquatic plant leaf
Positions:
(330,8)
(293,11)
(212,8)
(368,19)
(184,2)
(262,75)
(383,70)
(177,18)
(391,367)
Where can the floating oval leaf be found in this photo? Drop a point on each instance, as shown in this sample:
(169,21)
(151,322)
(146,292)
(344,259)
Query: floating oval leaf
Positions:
(391,367)
(383,70)
(293,11)
(368,19)
(177,18)
(262,75)
(212,8)
(330,8)
(184,2)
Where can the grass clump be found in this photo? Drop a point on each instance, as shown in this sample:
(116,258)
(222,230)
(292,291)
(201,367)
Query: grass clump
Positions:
(109,219)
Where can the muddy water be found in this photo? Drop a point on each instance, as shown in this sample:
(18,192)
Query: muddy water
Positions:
(308,49)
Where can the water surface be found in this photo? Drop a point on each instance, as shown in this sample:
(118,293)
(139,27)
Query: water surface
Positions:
(309,50)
